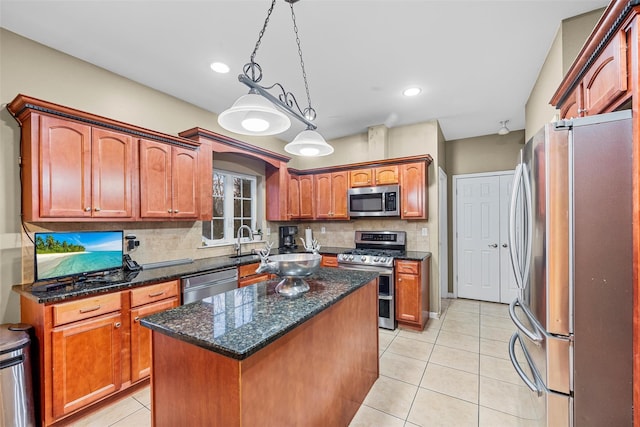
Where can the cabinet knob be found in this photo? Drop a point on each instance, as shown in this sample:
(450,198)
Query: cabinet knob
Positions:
(582,110)
(117,325)
(495,245)
(169,210)
(97,209)
(405,211)
(399,279)
(504,245)
(176,211)
(137,319)
(87,209)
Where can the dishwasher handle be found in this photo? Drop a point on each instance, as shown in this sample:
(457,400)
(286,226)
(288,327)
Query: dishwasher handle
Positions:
(208,279)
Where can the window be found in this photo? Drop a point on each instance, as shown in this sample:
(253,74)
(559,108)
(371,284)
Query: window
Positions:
(234,204)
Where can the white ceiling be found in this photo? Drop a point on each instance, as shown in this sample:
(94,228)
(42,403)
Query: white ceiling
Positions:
(476,60)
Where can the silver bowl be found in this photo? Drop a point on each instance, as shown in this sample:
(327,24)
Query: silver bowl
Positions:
(293,268)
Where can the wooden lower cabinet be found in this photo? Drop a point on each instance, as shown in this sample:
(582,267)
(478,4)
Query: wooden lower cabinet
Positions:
(329,261)
(141,337)
(86,362)
(247,275)
(91,348)
(412,293)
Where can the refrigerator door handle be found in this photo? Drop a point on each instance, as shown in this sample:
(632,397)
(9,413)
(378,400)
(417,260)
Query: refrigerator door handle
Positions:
(533,385)
(533,336)
(513,250)
(528,208)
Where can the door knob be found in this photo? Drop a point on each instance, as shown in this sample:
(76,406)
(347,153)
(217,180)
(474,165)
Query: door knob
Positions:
(495,245)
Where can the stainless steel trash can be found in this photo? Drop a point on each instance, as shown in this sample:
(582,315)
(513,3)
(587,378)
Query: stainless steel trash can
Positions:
(16,392)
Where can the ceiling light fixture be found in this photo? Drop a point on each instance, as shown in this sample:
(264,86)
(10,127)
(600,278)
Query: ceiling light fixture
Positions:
(412,91)
(262,113)
(504,129)
(220,67)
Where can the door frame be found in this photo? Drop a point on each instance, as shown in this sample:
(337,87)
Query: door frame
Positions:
(443,244)
(454,217)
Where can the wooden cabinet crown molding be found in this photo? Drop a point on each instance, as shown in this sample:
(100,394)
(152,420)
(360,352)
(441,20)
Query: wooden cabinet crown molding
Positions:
(617,14)
(224,144)
(370,164)
(22,107)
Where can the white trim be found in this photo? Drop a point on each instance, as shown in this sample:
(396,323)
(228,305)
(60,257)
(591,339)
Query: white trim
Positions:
(443,232)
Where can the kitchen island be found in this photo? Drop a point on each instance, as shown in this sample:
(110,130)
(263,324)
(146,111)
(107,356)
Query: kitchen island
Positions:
(250,357)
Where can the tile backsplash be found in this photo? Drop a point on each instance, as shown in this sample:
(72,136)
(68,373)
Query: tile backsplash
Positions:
(162,241)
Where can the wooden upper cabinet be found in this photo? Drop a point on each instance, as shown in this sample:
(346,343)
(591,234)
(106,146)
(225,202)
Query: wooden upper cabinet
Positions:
(383,175)
(601,83)
(300,197)
(331,195)
(184,178)
(306,196)
(386,175)
(293,210)
(573,105)
(606,80)
(413,188)
(168,181)
(113,166)
(361,177)
(85,172)
(65,168)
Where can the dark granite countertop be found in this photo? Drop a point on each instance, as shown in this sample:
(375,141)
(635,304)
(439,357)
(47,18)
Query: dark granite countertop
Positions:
(240,322)
(121,280)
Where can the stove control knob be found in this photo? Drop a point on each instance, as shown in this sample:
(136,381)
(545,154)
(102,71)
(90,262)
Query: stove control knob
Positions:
(376,259)
(363,258)
(383,259)
(350,257)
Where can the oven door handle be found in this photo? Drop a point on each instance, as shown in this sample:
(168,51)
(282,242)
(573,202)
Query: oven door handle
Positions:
(381,270)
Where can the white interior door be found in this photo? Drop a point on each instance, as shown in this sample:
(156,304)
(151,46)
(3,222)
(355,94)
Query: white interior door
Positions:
(508,287)
(478,237)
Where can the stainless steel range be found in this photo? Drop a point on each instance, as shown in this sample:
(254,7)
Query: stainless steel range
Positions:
(376,251)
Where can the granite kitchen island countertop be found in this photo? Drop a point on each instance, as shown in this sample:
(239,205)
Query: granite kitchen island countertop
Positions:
(242,321)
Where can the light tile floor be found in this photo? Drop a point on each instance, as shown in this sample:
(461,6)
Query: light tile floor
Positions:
(454,373)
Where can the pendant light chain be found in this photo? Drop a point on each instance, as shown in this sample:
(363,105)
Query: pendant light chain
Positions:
(262,31)
(309,112)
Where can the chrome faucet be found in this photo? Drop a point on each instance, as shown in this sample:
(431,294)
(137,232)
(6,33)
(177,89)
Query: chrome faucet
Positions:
(238,246)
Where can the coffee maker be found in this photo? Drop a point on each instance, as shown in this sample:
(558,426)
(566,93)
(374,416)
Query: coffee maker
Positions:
(288,238)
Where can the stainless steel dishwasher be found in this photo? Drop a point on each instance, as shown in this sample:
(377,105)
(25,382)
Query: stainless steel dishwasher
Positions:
(199,286)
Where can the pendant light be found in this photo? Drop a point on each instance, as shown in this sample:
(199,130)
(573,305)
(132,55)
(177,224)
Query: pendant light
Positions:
(261,113)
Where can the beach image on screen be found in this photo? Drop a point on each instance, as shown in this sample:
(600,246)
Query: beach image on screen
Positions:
(70,254)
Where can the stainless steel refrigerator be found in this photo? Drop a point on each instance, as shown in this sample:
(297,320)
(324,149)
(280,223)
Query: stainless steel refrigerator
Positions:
(571,250)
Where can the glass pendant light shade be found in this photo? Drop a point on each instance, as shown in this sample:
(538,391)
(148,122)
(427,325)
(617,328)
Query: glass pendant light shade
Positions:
(309,143)
(252,114)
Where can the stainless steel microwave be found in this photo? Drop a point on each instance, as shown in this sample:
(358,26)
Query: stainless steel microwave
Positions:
(374,201)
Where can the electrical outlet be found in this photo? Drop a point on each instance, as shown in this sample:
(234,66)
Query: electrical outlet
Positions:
(424,231)
(268,231)
(323,230)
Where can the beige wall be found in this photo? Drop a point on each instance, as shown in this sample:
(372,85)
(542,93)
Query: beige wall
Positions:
(570,38)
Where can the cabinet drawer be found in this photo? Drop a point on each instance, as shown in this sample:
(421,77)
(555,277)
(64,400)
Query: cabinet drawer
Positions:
(256,278)
(85,308)
(407,267)
(153,293)
(329,261)
(248,269)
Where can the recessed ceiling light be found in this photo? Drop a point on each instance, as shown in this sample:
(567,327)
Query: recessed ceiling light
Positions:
(412,91)
(220,67)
